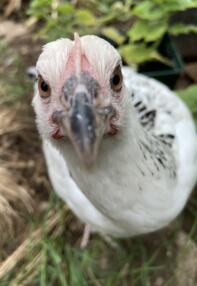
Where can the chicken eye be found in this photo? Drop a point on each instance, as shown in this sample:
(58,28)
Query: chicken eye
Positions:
(44,88)
(116,79)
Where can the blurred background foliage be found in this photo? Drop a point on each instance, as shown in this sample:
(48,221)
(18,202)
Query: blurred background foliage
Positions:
(135,27)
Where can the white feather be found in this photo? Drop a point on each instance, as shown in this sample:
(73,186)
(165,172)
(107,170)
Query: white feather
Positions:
(125,193)
(123,209)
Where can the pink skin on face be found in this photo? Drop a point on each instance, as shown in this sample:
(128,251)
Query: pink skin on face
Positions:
(57,134)
(76,64)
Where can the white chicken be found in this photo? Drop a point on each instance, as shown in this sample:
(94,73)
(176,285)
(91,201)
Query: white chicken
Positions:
(121,148)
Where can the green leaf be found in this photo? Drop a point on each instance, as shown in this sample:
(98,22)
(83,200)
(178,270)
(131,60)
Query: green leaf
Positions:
(148,10)
(189,96)
(40,4)
(170,6)
(180,28)
(113,34)
(85,17)
(157,9)
(103,7)
(40,9)
(65,9)
(118,6)
(147,31)
(138,53)
(103,20)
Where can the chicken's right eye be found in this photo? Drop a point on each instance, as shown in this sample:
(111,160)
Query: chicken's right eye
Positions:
(44,88)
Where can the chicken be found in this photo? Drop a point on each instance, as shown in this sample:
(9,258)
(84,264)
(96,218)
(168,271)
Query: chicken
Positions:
(121,148)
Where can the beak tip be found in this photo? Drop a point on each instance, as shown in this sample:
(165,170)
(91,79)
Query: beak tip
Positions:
(88,159)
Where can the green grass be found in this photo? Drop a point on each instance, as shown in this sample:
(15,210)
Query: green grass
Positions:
(137,262)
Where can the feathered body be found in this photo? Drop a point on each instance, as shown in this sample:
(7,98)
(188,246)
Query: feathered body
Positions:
(143,174)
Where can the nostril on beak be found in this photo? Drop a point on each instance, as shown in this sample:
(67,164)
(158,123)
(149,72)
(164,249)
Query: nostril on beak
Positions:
(71,101)
(65,96)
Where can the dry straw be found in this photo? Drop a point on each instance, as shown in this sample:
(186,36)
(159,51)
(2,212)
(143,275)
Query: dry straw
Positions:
(16,122)
(15,199)
(28,269)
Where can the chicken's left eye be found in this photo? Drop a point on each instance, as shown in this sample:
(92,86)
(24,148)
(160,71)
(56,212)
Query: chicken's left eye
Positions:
(116,79)
(44,88)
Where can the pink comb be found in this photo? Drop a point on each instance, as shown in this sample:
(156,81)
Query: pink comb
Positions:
(78,53)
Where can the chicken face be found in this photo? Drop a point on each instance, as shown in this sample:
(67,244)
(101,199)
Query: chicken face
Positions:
(80,93)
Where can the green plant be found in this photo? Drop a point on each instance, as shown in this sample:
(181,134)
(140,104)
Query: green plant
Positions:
(189,96)
(142,24)
(153,21)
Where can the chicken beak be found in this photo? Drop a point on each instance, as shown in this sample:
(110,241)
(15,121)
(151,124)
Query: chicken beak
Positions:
(83,119)
(82,131)
(80,126)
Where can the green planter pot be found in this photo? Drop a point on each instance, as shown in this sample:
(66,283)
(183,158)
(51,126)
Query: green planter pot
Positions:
(164,73)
